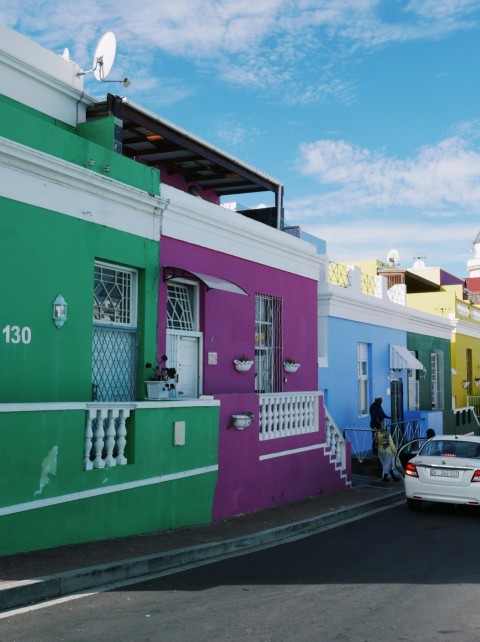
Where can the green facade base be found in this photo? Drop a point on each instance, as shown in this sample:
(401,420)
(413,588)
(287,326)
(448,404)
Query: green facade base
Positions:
(142,510)
(51,499)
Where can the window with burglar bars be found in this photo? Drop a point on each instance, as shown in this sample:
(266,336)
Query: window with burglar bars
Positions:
(268,343)
(362,361)
(438,401)
(114,295)
(180,307)
(115,336)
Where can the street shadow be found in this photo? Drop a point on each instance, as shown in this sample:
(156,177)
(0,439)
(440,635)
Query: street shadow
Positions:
(436,545)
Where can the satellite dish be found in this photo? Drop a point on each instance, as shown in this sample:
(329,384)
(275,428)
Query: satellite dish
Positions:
(419,263)
(104,55)
(66,54)
(393,257)
(103,59)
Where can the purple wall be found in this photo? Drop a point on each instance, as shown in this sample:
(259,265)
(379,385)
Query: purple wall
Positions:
(228,320)
(179,182)
(449,279)
(246,483)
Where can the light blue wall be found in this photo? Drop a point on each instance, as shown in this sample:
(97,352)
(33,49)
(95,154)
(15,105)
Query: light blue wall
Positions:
(339,381)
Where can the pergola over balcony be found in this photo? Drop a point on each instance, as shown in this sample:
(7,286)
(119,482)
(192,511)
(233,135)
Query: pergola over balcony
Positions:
(148,139)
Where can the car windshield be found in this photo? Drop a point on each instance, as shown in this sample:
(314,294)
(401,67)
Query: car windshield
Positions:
(451,448)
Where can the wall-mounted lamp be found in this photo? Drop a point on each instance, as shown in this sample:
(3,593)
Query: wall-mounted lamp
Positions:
(107,169)
(59,311)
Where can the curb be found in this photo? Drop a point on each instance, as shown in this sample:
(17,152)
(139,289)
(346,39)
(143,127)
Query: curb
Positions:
(55,586)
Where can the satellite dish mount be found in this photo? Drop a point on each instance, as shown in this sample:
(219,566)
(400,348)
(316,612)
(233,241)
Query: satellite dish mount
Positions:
(393,257)
(103,59)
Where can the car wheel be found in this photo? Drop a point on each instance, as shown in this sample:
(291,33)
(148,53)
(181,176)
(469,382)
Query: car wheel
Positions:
(414,504)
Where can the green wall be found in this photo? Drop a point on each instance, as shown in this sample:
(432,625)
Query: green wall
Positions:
(26,438)
(45,254)
(424,346)
(92,141)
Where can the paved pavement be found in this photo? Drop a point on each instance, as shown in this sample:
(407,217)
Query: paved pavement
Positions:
(32,577)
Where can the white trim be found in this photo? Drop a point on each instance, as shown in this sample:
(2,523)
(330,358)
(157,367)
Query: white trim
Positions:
(293,451)
(205,224)
(83,405)
(133,299)
(465,327)
(41,79)
(344,304)
(96,492)
(30,176)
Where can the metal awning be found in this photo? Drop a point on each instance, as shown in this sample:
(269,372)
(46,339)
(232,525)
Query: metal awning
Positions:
(211,282)
(401,358)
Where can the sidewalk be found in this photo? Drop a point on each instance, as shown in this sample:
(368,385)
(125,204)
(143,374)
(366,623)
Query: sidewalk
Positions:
(32,577)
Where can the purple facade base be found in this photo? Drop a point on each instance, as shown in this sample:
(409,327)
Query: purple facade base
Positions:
(254,475)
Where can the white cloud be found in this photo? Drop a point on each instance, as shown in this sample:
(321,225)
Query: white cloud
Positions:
(439,176)
(369,202)
(262,45)
(448,246)
(234,132)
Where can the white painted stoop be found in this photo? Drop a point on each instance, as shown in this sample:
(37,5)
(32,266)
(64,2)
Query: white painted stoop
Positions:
(335,448)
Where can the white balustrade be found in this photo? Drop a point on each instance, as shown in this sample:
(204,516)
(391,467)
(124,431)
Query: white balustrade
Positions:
(334,441)
(106,435)
(284,414)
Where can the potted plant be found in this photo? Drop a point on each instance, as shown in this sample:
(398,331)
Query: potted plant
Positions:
(160,384)
(242,420)
(243,364)
(291,365)
(477,382)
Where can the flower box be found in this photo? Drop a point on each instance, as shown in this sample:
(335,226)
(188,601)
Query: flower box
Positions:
(242,365)
(242,420)
(291,366)
(157,390)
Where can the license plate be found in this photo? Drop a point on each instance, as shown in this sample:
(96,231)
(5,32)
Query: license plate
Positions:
(435,472)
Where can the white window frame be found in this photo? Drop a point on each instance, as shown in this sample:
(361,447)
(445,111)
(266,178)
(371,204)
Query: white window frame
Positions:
(116,339)
(133,296)
(437,388)
(174,334)
(413,387)
(195,299)
(269,349)
(363,371)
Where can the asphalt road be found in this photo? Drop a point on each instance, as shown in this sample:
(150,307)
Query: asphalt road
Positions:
(395,575)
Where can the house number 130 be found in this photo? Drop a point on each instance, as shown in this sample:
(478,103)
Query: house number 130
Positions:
(15,334)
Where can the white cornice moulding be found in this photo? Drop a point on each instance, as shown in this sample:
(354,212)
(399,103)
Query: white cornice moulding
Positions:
(341,303)
(208,225)
(468,329)
(30,176)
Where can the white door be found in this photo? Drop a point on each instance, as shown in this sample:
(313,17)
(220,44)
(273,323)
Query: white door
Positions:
(183,351)
(187,366)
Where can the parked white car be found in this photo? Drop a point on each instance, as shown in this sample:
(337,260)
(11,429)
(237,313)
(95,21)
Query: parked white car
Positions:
(446,469)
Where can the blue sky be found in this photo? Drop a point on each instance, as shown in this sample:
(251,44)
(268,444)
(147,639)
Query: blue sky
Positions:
(367,110)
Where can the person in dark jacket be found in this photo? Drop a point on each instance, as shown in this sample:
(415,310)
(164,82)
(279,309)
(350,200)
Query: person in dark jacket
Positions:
(377,415)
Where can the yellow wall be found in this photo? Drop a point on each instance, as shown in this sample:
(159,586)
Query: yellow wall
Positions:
(460,344)
(368,267)
(440,303)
